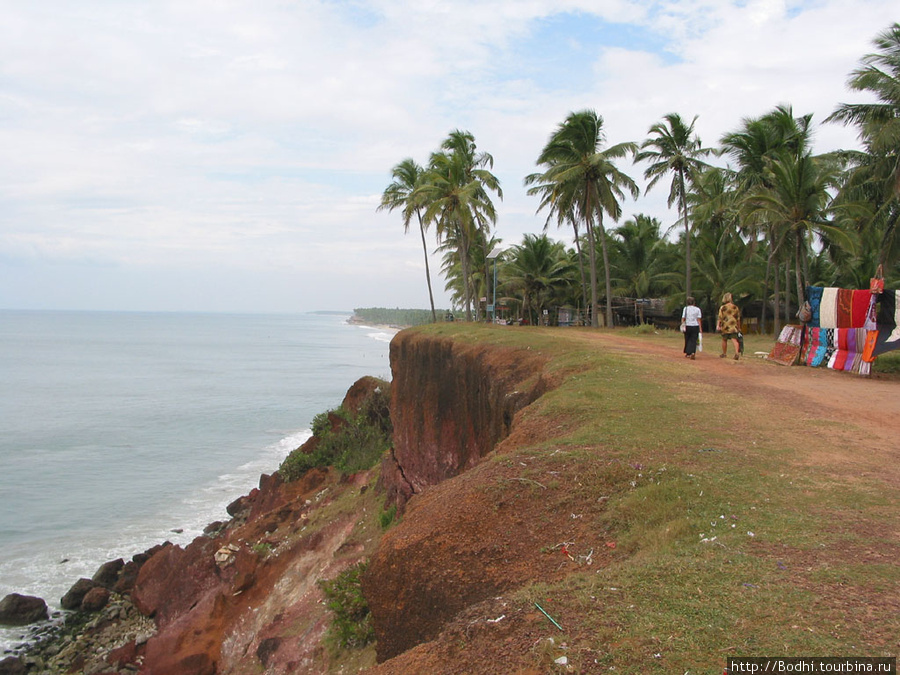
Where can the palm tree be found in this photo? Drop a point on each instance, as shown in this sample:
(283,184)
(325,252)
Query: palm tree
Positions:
(677,150)
(454,193)
(582,182)
(796,201)
(643,258)
(535,268)
(462,144)
(399,195)
(724,263)
(754,146)
(879,130)
(478,282)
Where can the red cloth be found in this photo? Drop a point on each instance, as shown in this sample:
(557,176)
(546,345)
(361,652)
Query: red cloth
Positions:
(844,308)
(859,308)
(840,356)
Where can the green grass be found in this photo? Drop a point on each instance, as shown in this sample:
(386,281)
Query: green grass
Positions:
(725,545)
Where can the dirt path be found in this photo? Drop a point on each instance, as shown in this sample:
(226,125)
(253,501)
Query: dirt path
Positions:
(826,429)
(852,420)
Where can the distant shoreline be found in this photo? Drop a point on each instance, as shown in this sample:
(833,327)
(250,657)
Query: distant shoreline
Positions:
(357,321)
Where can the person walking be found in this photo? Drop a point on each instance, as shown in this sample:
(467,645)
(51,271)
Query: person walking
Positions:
(690,326)
(729,325)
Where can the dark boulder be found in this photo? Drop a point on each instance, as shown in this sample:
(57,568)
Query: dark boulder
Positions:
(127,576)
(108,573)
(20,610)
(95,600)
(240,507)
(73,597)
(214,529)
(12,665)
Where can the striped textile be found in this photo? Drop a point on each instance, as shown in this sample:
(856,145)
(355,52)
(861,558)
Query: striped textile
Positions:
(849,344)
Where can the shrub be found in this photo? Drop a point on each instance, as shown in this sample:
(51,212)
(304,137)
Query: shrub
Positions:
(386,517)
(354,446)
(351,627)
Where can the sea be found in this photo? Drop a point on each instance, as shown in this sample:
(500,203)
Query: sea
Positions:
(121,430)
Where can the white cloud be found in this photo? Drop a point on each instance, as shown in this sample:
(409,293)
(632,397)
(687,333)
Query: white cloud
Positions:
(244,145)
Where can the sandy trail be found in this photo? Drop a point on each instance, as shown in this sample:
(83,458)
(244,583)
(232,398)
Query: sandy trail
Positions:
(850,420)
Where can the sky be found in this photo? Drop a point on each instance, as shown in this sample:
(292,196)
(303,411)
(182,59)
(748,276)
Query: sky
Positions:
(230,155)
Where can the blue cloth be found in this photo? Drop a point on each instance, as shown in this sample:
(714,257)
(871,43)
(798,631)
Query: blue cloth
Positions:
(814,296)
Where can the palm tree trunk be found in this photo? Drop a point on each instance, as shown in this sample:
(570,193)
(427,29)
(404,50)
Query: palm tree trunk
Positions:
(762,320)
(687,239)
(887,238)
(427,270)
(607,276)
(584,295)
(798,270)
(765,304)
(787,289)
(777,293)
(464,265)
(592,255)
(485,242)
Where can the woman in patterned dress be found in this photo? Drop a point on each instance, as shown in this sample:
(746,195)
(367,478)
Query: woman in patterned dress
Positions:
(729,325)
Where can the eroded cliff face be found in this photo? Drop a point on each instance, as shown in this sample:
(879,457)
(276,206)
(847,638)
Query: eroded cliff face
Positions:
(451,403)
(245,597)
(458,543)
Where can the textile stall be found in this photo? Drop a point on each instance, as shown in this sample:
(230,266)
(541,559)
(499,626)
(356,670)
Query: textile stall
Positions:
(846,330)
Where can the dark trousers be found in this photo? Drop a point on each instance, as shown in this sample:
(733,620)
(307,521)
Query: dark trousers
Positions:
(691,333)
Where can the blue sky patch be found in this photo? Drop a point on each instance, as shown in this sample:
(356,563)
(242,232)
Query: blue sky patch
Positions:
(559,53)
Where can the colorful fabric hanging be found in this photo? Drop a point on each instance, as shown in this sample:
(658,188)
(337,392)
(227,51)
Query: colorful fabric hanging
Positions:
(787,348)
(816,346)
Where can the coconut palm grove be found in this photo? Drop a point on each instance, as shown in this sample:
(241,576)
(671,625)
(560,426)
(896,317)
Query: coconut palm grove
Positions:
(757,215)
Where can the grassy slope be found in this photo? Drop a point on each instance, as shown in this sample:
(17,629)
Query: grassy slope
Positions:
(725,544)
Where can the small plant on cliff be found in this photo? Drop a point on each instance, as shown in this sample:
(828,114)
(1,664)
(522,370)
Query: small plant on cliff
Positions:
(386,517)
(351,627)
(263,549)
(348,442)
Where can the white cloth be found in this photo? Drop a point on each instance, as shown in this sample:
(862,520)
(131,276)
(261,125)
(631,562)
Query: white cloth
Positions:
(895,334)
(828,308)
(691,315)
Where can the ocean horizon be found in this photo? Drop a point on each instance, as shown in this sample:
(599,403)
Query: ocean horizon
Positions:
(122,430)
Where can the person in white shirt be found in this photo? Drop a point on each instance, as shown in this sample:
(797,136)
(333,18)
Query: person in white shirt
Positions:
(690,326)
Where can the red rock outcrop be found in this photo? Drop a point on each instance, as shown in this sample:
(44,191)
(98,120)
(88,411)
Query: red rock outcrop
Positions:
(451,403)
(236,599)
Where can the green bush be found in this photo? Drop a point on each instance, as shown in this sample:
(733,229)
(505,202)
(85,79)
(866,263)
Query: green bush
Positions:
(386,517)
(355,445)
(351,627)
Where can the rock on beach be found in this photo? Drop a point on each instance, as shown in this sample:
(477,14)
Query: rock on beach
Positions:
(21,610)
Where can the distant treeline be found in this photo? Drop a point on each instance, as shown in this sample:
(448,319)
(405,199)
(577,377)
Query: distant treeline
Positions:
(396,317)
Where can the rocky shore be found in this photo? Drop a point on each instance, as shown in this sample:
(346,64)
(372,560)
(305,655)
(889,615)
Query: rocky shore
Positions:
(227,586)
(247,596)
(101,628)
